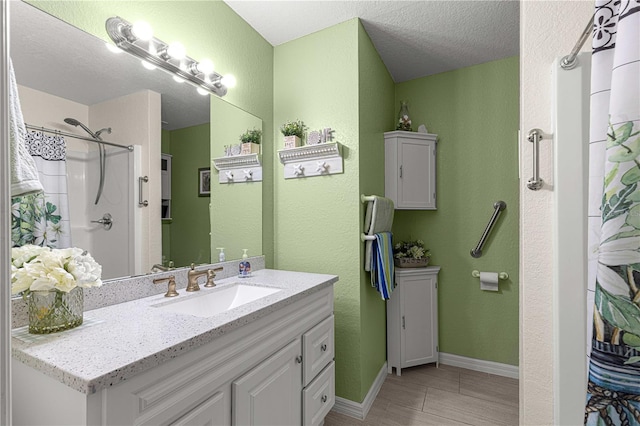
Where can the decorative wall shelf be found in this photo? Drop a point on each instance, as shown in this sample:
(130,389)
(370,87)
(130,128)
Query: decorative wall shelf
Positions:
(312,160)
(238,168)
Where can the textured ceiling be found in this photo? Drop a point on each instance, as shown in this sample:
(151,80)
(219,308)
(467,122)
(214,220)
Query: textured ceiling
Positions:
(413,38)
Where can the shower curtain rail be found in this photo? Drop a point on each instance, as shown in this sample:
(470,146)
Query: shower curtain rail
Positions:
(570,61)
(71,135)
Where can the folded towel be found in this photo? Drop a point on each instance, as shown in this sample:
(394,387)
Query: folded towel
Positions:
(378,218)
(382,265)
(24,174)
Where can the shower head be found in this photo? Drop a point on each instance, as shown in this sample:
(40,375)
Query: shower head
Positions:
(76,123)
(106,129)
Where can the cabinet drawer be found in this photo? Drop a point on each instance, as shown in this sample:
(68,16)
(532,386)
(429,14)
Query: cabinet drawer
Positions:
(317,349)
(318,398)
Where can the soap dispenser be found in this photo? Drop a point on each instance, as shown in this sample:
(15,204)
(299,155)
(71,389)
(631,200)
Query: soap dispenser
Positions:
(221,256)
(244,269)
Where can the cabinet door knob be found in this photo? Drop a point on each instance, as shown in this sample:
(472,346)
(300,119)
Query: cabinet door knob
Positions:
(323,348)
(323,399)
(299,359)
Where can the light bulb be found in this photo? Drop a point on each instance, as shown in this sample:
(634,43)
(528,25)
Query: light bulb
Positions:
(229,80)
(202,91)
(142,30)
(147,65)
(178,79)
(113,48)
(205,66)
(176,50)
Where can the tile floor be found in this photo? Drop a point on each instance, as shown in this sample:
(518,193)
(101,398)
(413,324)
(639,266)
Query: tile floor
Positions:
(426,395)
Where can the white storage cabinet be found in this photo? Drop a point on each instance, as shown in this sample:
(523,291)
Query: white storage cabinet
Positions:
(410,170)
(412,318)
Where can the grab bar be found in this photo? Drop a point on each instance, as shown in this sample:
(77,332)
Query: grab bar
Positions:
(498,206)
(141,202)
(535,136)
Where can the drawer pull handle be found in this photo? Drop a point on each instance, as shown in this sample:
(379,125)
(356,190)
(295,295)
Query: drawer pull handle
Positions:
(323,399)
(323,348)
(299,359)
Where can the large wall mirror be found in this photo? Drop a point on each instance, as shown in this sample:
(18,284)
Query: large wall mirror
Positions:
(82,80)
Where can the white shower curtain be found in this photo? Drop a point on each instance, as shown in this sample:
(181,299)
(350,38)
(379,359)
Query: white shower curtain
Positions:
(43,218)
(613,396)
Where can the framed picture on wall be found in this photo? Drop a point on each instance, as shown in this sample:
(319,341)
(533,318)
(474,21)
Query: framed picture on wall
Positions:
(204,182)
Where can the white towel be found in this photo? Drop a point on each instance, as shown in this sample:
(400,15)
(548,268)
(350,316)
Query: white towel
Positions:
(378,218)
(24,174)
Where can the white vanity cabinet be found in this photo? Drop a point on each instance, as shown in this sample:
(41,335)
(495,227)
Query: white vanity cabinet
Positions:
(412,318)
(410,170)
(277,370)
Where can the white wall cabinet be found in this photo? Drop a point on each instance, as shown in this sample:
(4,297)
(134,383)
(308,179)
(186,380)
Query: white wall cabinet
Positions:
(412,318)
(252,375)
(410,170)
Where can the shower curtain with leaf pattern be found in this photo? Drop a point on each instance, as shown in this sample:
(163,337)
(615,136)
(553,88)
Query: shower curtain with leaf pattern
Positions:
(613,395)
(43,218)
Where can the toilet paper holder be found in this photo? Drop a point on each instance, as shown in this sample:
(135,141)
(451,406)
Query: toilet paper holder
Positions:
(501,275)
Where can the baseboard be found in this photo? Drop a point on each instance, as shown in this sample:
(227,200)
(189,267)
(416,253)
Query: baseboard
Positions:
(359,410)
(490,367)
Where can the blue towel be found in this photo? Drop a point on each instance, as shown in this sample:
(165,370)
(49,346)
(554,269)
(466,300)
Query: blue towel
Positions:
(382,264)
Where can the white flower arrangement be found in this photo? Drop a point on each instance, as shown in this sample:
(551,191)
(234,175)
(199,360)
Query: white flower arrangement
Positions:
(35,268)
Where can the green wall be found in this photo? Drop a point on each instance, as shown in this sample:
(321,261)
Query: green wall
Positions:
(317,219)
(474,111)
(190,213)
(375,116)
(236,209)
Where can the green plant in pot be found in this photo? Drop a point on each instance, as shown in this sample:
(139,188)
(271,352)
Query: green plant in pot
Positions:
(251,141)
(411,254)
(292,131)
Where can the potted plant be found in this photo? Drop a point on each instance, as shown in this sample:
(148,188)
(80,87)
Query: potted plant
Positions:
(251,141)
(411,254)
(292,131)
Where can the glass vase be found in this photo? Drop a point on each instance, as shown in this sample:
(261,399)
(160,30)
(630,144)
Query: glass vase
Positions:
(54,310)
(404,120)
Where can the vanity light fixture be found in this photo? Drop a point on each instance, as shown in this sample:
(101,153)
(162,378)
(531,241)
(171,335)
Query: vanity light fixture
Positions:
(138,40)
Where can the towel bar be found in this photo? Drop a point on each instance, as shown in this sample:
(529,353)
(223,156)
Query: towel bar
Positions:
(366,198)
(364,238)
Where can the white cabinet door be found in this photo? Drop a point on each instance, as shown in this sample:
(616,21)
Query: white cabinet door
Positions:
(215,411)
(270,394)
(419,338)
(410,170)
(412,319)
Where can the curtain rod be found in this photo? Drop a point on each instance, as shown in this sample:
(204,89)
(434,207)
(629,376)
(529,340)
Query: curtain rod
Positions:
(71,135)
(569,61)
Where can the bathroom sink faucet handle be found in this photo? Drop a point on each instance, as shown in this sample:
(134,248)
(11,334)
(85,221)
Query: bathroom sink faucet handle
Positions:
(171,291)
(211,274)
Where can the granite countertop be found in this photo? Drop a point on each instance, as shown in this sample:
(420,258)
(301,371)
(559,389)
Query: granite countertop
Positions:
(119,341)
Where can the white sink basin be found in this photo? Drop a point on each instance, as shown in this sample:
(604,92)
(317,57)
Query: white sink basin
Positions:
(217,301)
